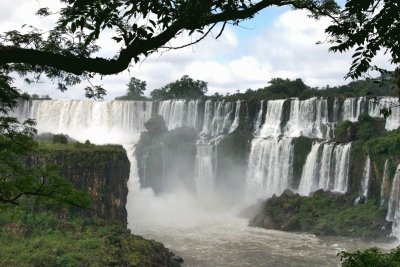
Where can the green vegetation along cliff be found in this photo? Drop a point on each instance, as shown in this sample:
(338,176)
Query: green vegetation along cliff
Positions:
(102,171)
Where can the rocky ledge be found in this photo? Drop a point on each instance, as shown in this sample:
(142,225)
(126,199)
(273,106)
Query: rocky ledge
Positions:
(323,213)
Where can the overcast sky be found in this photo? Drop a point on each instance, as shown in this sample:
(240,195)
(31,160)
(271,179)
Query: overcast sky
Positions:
(279,42)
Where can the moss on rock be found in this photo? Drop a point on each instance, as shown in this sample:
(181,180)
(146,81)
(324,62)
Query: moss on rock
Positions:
(323,213)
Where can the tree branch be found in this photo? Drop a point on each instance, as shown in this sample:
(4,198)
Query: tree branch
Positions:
(79,65)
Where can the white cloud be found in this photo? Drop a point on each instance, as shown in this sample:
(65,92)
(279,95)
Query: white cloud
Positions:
(285,48)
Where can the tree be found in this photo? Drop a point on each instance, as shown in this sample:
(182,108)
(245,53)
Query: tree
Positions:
(367,26)
(139,28)
(135,90)
(19,178)
(186,87)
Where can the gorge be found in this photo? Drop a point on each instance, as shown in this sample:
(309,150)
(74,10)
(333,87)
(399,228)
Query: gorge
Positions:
(188,181)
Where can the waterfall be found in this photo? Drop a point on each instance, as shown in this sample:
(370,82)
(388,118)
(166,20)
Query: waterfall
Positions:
(393,214)
(270,166)
(273,119)
(100,122)
(258,120)
(385,183)
(326,167)
(235,123)
(217,122)
(352,108)
(218,118)
(336,110)
(374,107)
(366,177)
(308,118)
(205,170)
(192,118)
(117,122)
(173,112)
(310,175)
(365,180)
(341,170)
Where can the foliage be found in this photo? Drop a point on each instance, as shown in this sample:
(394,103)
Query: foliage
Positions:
(186,87)
(386,145)
(43,239)
(60,139)
(135,90)
(278,88)
(370,257)
(367,26)
(325,213)
(18,178)
(364,129)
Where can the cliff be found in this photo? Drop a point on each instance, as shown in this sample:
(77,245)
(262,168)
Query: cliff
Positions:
(102,171)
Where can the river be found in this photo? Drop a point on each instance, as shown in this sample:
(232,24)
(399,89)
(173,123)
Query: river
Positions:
(205,236)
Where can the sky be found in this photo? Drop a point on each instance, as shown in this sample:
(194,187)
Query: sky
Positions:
(278,42)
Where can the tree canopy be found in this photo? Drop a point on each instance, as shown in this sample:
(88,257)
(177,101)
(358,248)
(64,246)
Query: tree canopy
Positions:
(135,90)
(367,26)
(186,87)
(19,177)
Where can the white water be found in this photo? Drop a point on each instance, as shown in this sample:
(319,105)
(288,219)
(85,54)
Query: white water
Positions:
(257,122)
(385,183)
(270,167)
(308,118)
(393,214)
(352,108)
(327,167)
(393,121)
(366,177)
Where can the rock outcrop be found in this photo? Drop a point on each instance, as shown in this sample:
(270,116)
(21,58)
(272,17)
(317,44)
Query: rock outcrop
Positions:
(102,171)
(323,213)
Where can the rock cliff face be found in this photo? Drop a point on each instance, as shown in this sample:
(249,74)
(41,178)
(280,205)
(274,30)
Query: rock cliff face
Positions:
(102,171)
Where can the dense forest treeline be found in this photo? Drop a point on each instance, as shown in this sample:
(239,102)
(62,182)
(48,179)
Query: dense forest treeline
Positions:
(278,88)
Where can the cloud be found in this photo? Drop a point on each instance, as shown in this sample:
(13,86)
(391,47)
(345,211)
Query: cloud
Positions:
(284,47)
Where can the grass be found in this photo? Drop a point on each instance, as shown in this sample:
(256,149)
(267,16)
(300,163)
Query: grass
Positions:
(44,239)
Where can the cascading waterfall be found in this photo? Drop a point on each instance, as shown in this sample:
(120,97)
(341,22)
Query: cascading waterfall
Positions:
(270,166)
(219,118)
(217,122)
(366,177)
(205,170)
(118,122)
(308,118)
(327,168)
(270,162)
(365,180)
(336,110)
(273,119)
(235,122)
(100,122)
(310,175)
(327,164)
(385,183)
(393,214)
(374,107)
(352,108)
(258,120)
